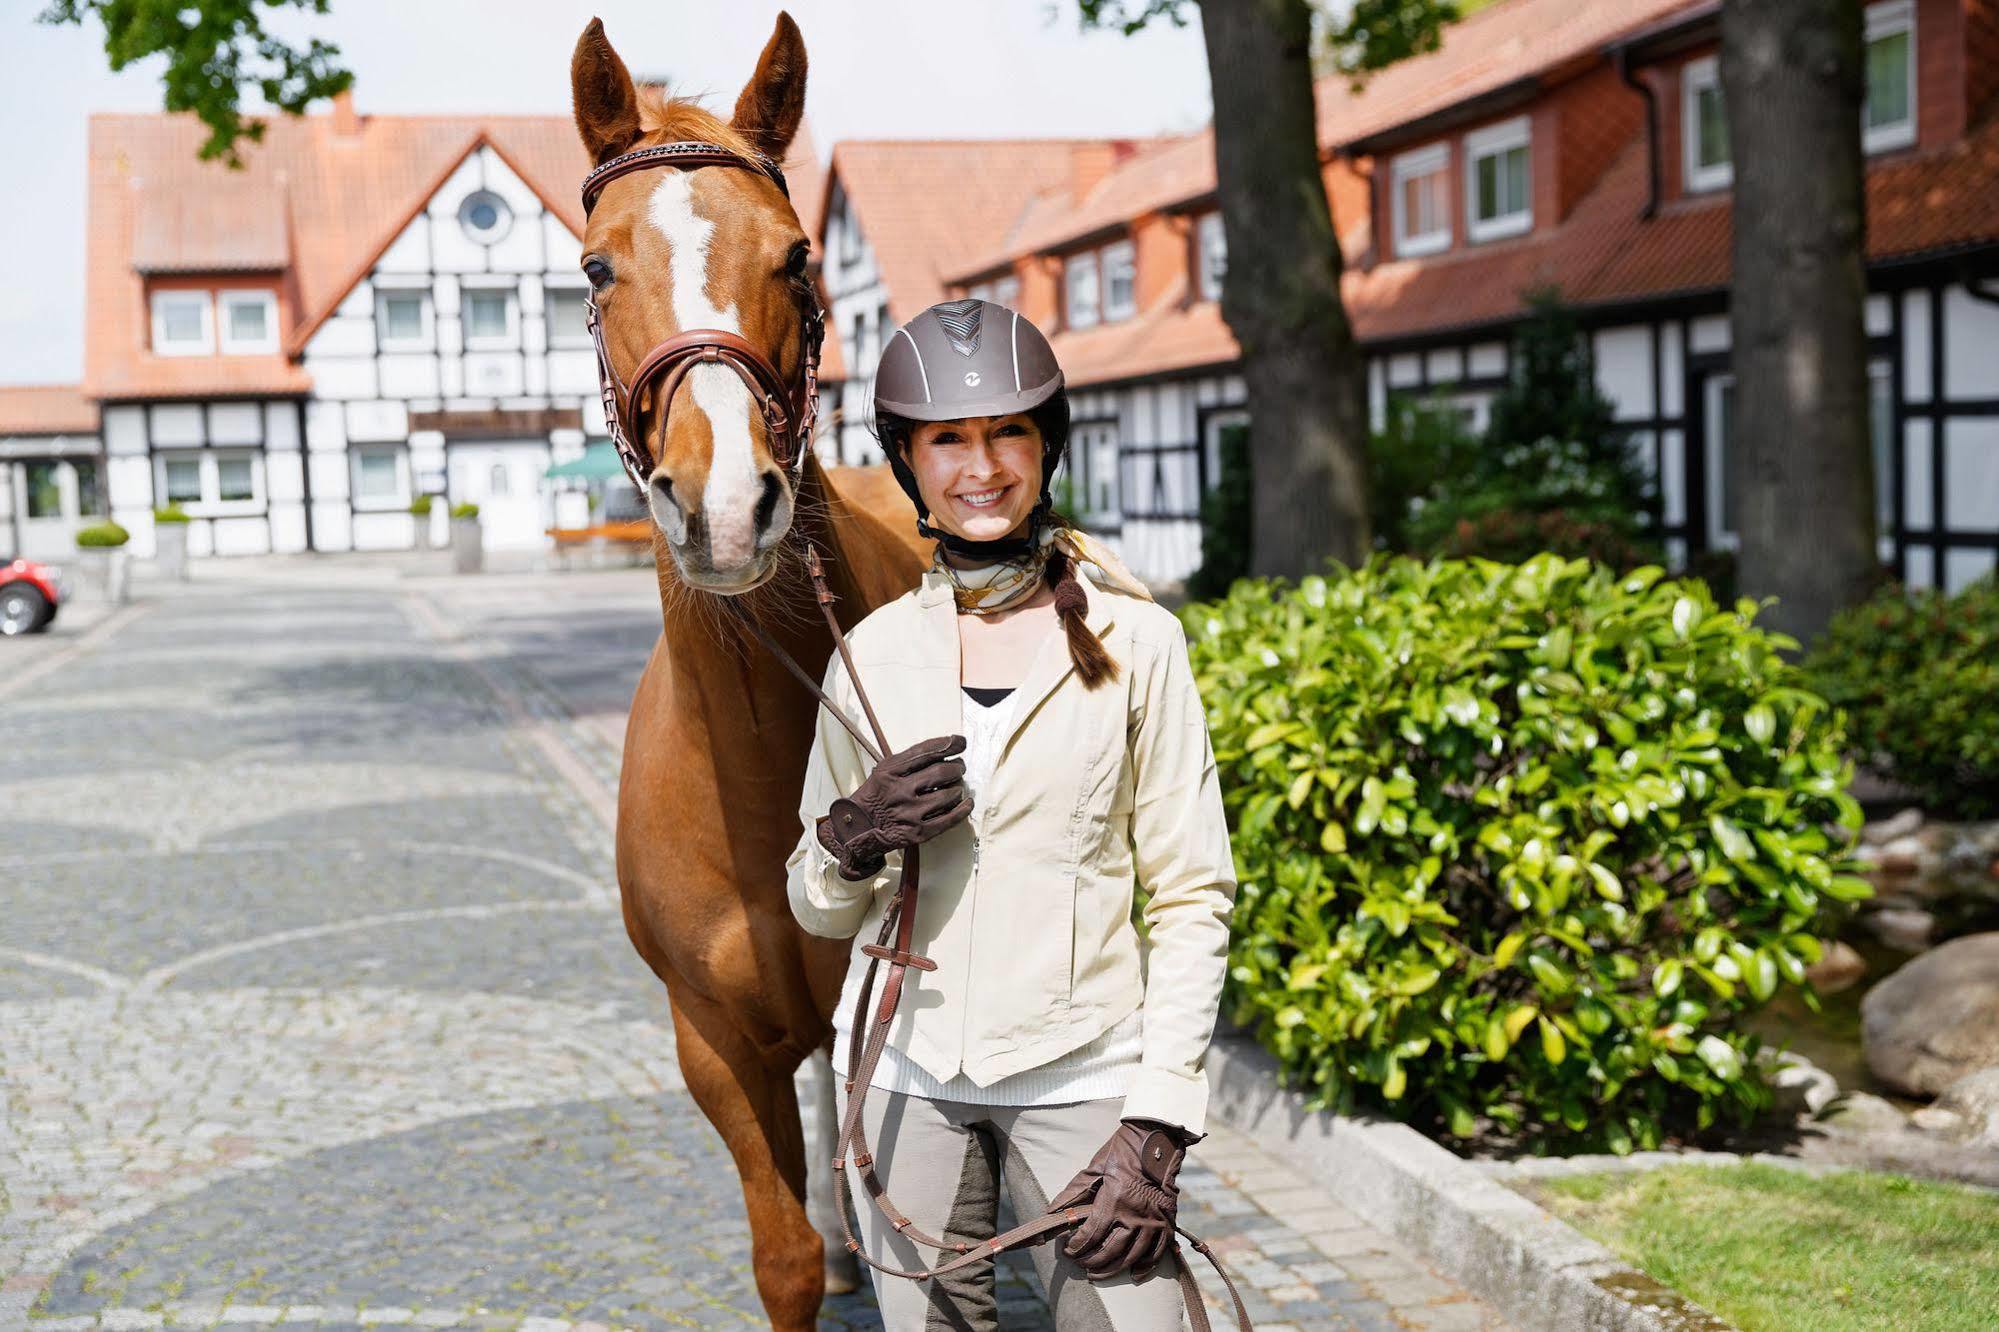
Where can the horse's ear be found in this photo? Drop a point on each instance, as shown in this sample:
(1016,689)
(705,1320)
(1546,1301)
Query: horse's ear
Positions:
(773,101)
(606,103)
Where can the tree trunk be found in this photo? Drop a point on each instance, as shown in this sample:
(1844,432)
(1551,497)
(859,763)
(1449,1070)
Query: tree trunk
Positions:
(1791,78)
(1281,294)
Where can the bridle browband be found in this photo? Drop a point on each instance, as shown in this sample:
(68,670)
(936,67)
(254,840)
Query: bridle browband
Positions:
(790,411)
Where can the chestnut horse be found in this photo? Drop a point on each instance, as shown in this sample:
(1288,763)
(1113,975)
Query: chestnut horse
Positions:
(716,746)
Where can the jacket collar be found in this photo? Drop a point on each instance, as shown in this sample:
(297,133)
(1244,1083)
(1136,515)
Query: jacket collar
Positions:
(1051,664)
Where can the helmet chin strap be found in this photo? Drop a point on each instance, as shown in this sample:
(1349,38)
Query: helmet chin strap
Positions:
(1001,548)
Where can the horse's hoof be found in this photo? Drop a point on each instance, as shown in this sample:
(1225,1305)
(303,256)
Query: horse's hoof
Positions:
(843,1274)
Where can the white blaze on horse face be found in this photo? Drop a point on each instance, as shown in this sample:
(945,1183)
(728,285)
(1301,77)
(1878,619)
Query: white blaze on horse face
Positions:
(729,500)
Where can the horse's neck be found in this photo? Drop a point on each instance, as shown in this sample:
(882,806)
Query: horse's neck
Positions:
(726,684)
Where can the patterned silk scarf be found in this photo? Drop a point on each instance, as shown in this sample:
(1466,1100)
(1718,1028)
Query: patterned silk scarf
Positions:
(1005,583)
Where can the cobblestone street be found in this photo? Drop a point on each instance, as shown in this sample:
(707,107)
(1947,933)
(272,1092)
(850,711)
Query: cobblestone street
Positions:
(316,1007)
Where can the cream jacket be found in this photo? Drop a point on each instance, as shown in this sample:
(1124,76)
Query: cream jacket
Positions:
(1026,906)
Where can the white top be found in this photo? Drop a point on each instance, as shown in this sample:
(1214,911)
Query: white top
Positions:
(1099,1069)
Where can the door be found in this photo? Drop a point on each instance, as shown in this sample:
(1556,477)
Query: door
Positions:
(505,479)
(55,497)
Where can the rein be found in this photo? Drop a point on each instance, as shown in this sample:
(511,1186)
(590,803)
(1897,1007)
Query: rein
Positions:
(791,415)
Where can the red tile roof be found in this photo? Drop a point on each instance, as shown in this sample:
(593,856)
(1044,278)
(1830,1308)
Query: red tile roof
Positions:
(46,409)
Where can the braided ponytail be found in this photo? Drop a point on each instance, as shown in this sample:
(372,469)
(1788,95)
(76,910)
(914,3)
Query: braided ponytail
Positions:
(1094,662)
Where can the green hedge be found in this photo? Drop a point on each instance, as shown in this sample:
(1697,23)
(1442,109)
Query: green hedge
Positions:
(100,536)
(1518,843)
(171,514)
(1918,674)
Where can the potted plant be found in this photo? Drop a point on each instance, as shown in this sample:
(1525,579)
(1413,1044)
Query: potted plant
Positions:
(467,547)
(170,541)
(101,552)
(420,510)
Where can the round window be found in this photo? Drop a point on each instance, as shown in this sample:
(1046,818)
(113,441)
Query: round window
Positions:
(485,216)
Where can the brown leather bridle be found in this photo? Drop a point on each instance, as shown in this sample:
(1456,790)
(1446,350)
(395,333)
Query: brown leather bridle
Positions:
(789,411)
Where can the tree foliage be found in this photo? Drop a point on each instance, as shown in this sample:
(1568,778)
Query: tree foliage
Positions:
(214,50)
(1357,39)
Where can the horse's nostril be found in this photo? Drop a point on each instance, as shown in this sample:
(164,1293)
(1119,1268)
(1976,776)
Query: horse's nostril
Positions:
(767,503)
(666,510)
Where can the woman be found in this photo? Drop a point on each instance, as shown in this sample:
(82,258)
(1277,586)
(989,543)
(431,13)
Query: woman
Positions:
(1053,757)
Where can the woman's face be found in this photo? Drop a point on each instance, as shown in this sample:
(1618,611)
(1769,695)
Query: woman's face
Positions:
(980,475)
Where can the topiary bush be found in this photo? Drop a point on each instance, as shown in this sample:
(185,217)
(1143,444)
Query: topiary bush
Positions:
(101,536)
(1519,845)
(420,506)
(465,509)
(1918,674)
(171,514)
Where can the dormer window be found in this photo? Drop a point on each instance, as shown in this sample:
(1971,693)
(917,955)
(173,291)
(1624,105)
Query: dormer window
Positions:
(1000,290)
(1704,127)
(1497,195)
(1213,255)
(1080,286)
(1422,201)
(1888,115)
(249,322)
(485,216)
(1120,269)
(183,323)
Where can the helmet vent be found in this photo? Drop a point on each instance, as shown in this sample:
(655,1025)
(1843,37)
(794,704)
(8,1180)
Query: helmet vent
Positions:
(961,324)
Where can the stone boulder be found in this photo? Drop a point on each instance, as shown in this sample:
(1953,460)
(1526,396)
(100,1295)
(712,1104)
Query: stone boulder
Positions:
(1937,1018)
(1974,1099)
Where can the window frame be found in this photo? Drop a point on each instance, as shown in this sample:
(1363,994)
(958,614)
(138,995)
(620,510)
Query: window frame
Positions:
(1072,266)
(487,235)
(1125,254)
(1886,20)
(208,467)
(1208,278)
(1493,141)
(1696,178)
(162,346)
(399,500)
(1418,164)
(426,318)
(1091,443)
(550,293)
(261,296)
(507,340)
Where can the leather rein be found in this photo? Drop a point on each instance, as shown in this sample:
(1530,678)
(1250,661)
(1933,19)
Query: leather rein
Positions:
(791,412)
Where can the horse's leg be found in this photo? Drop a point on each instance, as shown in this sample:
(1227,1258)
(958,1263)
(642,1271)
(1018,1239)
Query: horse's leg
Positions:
(843,1270)
(755,1109)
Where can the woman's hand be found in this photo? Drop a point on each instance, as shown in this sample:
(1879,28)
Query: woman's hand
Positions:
(910,797)
(1132,1189)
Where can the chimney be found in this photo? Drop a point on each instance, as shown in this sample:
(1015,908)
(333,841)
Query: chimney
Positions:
(1092,160)
(346,124)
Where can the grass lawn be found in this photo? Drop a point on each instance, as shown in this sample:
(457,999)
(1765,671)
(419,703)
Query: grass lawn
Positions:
(1776,1251)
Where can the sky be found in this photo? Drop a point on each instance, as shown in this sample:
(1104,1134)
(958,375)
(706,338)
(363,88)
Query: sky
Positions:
(879,69)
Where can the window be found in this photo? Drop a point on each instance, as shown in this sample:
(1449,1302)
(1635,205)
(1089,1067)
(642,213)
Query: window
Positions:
(496,481)
(1724,463)
(1704,127)
(1496,181)
(1422,201)
(183,484)
(1095,448)
(402,320)
(44,491)
(488,316)
(485,216)
(850,234)
(378,479)
(1213,256)
(212,479)
(89,487)
(249,322)
(1000,290)
(1888,112)
(1079,283)
(567,326)
(1120,270)
(182,323)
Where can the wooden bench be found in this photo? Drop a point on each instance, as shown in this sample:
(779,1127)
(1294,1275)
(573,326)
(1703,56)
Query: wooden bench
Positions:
(632,540)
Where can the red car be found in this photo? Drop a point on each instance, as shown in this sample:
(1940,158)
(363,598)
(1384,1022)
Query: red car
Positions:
(29,596)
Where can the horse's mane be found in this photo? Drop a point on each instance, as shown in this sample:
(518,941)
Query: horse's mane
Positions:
(677,118)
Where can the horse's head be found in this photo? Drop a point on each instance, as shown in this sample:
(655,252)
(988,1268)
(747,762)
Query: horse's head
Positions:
(708,247)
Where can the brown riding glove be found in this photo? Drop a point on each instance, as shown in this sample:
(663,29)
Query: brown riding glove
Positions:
(1131,1187)
(910,797)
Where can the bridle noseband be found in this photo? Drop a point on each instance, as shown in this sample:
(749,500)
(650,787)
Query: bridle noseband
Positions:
(790,411)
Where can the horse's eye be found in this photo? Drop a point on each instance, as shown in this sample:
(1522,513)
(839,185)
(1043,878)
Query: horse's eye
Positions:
(795,262)
(598,272)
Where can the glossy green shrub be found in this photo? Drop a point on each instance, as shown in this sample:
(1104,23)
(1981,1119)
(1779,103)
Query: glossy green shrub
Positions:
(99,536)
(170,514)
(1918,676)
(1518,843)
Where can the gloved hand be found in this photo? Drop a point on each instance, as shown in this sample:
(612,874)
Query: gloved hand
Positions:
(1132,1189)
(910,797)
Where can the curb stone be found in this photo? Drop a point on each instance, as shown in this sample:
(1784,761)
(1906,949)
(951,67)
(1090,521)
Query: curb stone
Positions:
(1533,1268)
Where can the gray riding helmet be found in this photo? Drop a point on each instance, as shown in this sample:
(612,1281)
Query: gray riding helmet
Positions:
(965,358)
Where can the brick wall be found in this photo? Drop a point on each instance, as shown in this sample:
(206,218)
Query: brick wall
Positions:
(1940,72)
(1595,117)
(1981,56)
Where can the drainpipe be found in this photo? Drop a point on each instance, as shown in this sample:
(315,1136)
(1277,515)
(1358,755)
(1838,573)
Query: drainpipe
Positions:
(305,472)
(1644,90)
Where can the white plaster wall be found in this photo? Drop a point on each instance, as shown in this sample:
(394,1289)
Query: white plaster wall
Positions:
(1624,370)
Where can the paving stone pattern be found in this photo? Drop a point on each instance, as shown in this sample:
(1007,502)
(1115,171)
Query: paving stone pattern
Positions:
(318,1010)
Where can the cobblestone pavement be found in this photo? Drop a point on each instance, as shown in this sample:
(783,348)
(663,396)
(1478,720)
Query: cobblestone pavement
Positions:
(316,1008)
